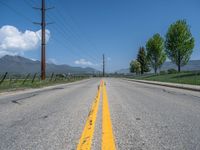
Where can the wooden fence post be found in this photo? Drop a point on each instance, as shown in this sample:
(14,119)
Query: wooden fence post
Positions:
(52,76)
(34,77)
(26,78)
(3,77)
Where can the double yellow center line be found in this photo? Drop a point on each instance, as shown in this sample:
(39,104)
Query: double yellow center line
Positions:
(108,140)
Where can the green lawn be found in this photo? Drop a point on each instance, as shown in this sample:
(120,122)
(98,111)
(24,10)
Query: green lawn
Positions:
(192,78)
(11,85)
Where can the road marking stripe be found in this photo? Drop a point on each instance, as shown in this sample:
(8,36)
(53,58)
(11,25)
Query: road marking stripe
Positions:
(108,139)
(87,134)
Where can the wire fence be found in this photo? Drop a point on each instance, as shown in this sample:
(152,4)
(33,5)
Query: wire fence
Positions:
(8,81)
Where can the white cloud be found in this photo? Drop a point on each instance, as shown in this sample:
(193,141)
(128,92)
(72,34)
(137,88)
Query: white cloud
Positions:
(51,61)
(33,59)
(15,42)
(83,62)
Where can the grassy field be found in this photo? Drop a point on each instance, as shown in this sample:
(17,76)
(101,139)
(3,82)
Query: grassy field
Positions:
(192,78)
(12,85)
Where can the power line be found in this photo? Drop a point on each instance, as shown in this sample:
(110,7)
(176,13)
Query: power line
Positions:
(61,26)
(86,37)
(28,3)
(64,33)
(64,45)
(16,11)
(70,27)
(69,44)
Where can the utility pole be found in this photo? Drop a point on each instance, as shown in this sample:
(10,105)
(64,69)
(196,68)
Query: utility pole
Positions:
(43,43)
(103,65)
(43,40)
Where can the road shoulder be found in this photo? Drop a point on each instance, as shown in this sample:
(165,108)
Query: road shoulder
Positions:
(167,84)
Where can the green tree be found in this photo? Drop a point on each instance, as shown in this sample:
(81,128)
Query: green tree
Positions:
(179,43)
(155,52)
(142,59)
(135,67)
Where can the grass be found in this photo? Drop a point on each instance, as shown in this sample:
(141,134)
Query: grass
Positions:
(192,78)
(12,85)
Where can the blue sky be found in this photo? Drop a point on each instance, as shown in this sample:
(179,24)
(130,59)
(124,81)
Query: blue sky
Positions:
(85,29)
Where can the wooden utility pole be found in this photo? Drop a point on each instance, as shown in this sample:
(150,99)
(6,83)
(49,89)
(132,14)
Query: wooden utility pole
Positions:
(103,65)
(43,39)
(43,43)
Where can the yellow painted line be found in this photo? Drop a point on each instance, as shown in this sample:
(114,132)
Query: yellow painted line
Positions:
(108,139)
(87,134)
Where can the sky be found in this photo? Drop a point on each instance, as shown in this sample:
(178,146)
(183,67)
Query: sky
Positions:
(80,31)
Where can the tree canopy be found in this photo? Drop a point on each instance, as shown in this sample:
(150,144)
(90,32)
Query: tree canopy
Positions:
(142,59)
(135,67)
(155,51)
(179,43)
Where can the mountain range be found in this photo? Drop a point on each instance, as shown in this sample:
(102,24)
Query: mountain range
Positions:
(22,65)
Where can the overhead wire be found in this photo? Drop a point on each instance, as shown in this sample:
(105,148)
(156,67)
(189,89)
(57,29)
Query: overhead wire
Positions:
(63,31)
(16,11)
(70,27)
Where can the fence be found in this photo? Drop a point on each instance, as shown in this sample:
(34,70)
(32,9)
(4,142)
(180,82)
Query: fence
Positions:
(33,80)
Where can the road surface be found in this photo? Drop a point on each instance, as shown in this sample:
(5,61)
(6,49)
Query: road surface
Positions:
(141,116)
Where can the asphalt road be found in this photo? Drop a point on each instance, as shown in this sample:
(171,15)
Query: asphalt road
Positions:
(143,117)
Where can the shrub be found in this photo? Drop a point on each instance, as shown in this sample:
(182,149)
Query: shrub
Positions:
(163,72)
(171,71)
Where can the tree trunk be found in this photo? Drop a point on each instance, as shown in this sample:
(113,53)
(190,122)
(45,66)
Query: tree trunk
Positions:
(179,68)
(179,61)
(155,70)
(142,71)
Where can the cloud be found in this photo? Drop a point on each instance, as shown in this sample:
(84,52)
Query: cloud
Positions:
(51,61)
(33,59)
(83,62)
(16,42)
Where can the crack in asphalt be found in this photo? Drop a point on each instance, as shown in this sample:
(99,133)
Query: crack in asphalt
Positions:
(16,101)
(20,97)
(25,121)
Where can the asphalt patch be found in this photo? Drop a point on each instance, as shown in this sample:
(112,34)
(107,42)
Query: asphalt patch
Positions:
(16,101)
(138,118)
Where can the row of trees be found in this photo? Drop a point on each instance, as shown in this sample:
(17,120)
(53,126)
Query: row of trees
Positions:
(177,46)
